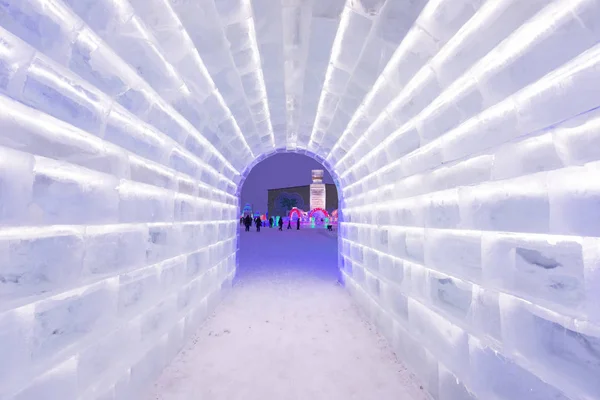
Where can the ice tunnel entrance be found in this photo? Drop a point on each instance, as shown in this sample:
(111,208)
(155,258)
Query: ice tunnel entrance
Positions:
(288,328)
(289,189)
(281,186)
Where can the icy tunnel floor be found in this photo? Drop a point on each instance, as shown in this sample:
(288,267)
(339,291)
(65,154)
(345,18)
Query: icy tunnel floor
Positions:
(287,331)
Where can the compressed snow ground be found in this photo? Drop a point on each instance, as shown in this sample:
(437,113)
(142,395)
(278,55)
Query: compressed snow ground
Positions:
(287,331)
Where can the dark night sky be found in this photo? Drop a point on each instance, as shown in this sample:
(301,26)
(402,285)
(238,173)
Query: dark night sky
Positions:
(280,170)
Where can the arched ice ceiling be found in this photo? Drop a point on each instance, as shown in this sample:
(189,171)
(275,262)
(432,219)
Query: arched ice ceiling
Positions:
(255,76)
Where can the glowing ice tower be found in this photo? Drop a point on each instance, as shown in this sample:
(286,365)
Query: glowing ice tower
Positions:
(317,190)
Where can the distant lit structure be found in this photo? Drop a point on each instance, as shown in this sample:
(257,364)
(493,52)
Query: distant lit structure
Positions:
(318,194)
(317,175)
(247,210)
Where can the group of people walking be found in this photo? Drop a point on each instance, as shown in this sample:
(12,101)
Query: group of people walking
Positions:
(248,220)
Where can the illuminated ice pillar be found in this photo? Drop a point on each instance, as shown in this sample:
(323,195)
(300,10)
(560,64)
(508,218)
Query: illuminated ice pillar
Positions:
(317,190)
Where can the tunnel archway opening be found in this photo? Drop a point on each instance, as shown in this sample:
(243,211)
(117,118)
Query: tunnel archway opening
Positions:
(299,151)
(318,244)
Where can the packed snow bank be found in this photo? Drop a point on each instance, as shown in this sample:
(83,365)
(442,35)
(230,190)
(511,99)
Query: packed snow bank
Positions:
(287,331)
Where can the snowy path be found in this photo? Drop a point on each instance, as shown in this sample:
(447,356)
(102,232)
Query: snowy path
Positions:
(287,331)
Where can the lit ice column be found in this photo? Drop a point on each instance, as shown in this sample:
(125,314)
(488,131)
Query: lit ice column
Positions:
(317,190)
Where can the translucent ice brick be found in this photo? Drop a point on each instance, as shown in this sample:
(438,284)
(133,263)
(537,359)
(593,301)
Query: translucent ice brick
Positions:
(15,57)
(144,203)
(164,241)
(138,290)
(193,237)
(100,358)
(39,260)
(485,314)
(186,208)
(172,274)
(562,350)
(148,367)
(29,130)
(184,162)
(59,383)
(63,320)
(575,139)
(16,180)
(417,357)
(151,173)
(454,252)
(451,388)
(494,376)
(113,248)
(573,194)
(164,118)
(394,300)
(529,156)
(48,29)
(157,319)
(442,210)
(469,172)
(15,345)
(494,126)
(447,342)
(67,194)
(546,269)
(125,130)
(94,61)
(60,93)
(397,242)
(544,104)
(519,205)
(450,295)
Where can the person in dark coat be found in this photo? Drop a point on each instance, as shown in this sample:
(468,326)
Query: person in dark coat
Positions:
(270,222)
(298,224)
(280,223)
(247,223)
(258,224)
(289,223)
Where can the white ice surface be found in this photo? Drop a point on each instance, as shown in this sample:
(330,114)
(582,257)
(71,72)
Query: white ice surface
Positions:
(289,331)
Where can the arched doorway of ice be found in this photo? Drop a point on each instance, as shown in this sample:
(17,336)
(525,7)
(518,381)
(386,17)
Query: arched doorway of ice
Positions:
(287,311)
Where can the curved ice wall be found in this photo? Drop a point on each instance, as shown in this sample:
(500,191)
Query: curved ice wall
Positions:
(463,135)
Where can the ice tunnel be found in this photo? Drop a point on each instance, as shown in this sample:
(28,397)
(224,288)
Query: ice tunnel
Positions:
(463,135)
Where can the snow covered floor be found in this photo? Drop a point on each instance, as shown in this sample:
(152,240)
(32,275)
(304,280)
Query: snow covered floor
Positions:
(287,331)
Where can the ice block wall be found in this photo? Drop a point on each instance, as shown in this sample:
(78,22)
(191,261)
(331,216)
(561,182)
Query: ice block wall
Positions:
(117,216)
(463,135)
(471,180)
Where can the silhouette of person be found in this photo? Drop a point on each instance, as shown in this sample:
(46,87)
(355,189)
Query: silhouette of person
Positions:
(247,223)
(258,224)
(270,222)
(298,224)
(280,223)
(289,223)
